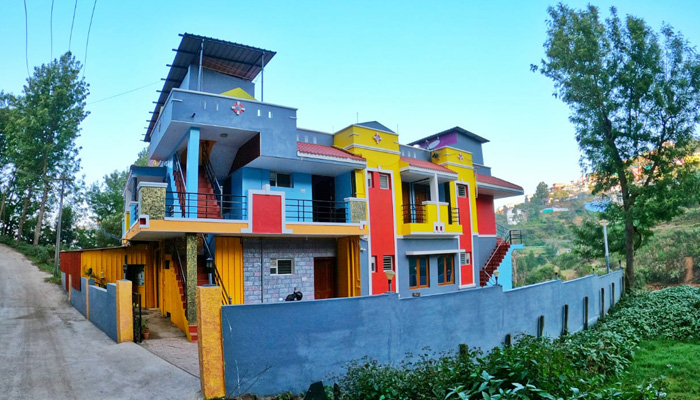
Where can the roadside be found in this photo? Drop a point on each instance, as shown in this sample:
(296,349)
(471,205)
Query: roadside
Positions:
(51,351)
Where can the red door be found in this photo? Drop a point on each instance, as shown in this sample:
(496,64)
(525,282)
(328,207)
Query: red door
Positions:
(324,278)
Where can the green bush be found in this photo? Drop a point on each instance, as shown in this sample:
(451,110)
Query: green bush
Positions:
(587,364)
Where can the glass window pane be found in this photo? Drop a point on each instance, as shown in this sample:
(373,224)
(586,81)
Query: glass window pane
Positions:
(441,269)
(450,270)
(424,272)
(412,281)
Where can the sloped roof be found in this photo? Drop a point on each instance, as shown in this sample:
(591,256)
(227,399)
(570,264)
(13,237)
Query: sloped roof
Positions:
(326,151)
(493,181)
(427,165)
(457,129)
(375,125)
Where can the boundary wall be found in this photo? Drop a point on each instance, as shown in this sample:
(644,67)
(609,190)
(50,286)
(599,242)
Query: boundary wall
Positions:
(279,347)
(108,309)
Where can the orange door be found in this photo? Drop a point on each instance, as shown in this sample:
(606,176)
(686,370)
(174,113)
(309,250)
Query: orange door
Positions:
(324,278)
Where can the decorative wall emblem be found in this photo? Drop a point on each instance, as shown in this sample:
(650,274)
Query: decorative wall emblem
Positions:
(460,157)
(238,108)
(377,138)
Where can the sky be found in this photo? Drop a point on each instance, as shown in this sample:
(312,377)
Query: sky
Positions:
(417,67)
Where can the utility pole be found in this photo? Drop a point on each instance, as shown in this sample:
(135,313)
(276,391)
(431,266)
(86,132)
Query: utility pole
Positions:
(56,261)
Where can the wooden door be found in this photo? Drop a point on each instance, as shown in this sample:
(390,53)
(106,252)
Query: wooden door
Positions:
(324,278)
(421,193)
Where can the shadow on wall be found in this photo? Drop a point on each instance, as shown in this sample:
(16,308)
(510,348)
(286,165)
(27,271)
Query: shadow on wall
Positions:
(284,346)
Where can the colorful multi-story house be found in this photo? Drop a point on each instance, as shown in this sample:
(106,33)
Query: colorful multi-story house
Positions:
(238,194)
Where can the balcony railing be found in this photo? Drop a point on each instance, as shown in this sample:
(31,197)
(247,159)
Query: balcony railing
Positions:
(299,210)
(205,205)
(453,213)
(413,214)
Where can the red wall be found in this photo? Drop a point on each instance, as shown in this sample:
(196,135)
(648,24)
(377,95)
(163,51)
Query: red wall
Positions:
(381,220)
(267,213)
(465,240)
(70,265)
(486,217)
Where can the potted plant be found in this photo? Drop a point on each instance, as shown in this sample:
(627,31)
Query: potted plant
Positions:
(145,332)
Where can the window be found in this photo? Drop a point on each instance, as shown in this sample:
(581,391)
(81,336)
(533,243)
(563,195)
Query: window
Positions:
(465,258)
(446,269)
(281,266)
(383,181)
(461,191)
(388,263)
(418,272)
(373,264)
(280,180)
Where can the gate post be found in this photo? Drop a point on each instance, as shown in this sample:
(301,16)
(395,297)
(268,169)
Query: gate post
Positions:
(209,341)
(125,317)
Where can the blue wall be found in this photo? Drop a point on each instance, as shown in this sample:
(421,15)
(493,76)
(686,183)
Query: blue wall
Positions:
(506,269)
(483,248)
(103,309)
(78,297)
(214,82)
(404,245)
(286,346)
(471,146)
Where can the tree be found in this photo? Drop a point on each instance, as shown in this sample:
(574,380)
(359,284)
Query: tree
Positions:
(107,202)
(48,120)
(541,196)
(634,101)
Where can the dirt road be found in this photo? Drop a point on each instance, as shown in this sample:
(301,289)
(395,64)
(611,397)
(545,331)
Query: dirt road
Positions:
(49,350)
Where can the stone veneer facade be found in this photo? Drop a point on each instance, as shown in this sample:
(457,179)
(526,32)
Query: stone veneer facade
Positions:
(276,287)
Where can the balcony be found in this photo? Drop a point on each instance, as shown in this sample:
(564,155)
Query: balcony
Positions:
(206,206)
(298,210)
(431,218)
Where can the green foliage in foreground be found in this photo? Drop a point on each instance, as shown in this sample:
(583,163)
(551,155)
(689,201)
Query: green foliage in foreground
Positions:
(677,361)
(585,365)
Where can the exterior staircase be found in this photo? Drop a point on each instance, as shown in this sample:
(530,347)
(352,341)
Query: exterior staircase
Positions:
(499,253)
(207,204)
(202,279)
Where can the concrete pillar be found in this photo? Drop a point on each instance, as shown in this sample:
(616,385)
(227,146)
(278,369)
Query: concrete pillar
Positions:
(211,351)
(192,178)
(191,272)
(125,316)
(434,190)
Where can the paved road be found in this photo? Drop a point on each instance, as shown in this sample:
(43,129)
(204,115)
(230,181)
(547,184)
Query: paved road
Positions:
(49,350)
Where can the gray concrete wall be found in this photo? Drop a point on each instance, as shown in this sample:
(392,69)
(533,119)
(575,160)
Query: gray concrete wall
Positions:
(103,309)
(272,288)
(483,248)
(273,348)
(404,245)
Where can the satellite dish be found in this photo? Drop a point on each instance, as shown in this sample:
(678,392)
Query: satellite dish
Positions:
(433,144)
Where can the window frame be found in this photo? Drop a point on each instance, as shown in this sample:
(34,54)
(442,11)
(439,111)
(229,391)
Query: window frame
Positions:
(373,264)
(274,264)
(447,259)
(461,188)
(387,181)
(391,260)
(467,258)
(274,179)
(418,274)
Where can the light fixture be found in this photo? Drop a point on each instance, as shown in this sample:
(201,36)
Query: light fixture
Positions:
(556,272)
(210,269)
(224,135)
(496,273)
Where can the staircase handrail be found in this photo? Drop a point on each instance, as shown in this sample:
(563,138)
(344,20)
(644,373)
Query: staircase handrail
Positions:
(217,276)
(182,272)
(179,184)
(493,254)
(209,170)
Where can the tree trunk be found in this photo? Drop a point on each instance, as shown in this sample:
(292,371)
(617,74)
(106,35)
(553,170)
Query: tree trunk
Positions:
(629,252)
(23,217)
(40,217)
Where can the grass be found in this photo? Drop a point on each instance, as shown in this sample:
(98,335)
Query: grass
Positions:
(678,361)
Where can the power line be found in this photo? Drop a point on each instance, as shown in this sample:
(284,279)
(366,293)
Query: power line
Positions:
(123,93)
(51,24)
(26,39)
(70,38)
(88,37)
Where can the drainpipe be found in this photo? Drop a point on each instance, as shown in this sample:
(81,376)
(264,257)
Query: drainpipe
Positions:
(199,78)
(262,79)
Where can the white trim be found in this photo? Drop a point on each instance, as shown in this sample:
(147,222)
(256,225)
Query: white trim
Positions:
(502,188)
(147,218)
(431,235)
(430,252)
(394,220)
(151,184)
(471,230)
(369,235)
(327,223)
(473,285)
(486,236)
(355,199)
(437,203)
(217,220)
(361,146)
(456,165)
(430,172)
(303,155)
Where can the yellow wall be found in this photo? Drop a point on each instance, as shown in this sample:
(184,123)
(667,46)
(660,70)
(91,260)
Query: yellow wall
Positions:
(171,302)
(448,157)
(229,261)
(210,344)
(108,265)
(349,283)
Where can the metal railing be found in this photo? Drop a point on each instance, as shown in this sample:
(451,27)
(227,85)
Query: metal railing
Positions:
(183,276)
(413,213)
(508,237)
(453,213)
(205,205)
(226,299)
(179,178)
(211,176)
(298,210)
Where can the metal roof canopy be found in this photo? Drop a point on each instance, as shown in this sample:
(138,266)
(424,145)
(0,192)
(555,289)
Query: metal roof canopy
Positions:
(234,59)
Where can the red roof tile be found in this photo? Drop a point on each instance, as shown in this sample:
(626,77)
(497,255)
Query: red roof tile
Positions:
(426,165)
(492,180)
(326,151)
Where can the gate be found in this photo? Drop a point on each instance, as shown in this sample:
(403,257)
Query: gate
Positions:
(136,306)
